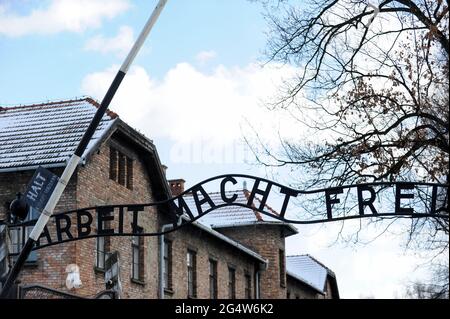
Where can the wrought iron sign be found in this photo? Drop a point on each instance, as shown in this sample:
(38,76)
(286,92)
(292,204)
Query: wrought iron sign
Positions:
(40,188)
(383,199)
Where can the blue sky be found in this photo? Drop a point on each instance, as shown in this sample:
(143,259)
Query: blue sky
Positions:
(59,61)
(50,65)
(193,89)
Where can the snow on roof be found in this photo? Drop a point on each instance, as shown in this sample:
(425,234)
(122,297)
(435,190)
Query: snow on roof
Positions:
(46,134)
(308,270)
(230,241)
(231,216)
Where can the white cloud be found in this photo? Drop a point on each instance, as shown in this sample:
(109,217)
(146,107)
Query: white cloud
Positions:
(119,44)
(203,114)
(205,56)
(60,15)
(188,105)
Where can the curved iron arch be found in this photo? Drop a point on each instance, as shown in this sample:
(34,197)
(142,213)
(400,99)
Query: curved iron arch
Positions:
(178,212)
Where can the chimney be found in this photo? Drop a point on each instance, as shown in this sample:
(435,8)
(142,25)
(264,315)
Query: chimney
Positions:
(164,167)
(176,186)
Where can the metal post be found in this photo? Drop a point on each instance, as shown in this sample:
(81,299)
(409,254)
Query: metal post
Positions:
(76,157)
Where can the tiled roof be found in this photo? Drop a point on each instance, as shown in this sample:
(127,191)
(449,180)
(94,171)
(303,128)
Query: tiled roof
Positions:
(232,216)
(308,270)
(46,134)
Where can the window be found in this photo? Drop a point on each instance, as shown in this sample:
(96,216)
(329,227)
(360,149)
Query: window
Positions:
(192,273)
(248,285)
(167,264)
(288,295)
(17,240)
(120,168)
(112,271)
(101,254)
(282,268)
(113,169)
(3,251)
(137,246)
(231,283)
(212,279)
(19,236)
(129,179)
(103,247)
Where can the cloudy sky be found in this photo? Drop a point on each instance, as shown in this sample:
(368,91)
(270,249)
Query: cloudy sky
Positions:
(195,88)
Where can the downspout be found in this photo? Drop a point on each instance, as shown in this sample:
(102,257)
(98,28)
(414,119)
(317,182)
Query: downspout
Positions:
(257,295)
(161,257)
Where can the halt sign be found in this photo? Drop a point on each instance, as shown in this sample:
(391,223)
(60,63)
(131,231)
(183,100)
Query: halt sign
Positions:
(40,188)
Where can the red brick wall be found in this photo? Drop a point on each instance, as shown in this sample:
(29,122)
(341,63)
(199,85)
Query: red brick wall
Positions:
(330,293)
(266,240)
(50,268)
(91,186)
(299,290)
(96,188)
(206,247)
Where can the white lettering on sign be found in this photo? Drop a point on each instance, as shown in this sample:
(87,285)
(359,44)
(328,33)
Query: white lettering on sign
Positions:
(36,187)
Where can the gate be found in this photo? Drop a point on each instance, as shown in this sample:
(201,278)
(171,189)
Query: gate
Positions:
(43,292)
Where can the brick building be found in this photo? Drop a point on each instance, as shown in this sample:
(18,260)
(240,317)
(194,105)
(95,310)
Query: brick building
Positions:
(307,278)
(231,252)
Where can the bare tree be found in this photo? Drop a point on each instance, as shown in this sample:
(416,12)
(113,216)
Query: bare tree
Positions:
(380,84)
(376,77)
(437,287)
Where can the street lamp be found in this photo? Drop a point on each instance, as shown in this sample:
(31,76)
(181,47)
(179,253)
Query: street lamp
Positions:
(19,207)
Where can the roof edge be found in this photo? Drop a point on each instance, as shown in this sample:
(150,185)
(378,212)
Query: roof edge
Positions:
(32,167)
(329,271)
(295,276)
(108,112)
(229,241)
(19,106)
(258,222)
(111,128)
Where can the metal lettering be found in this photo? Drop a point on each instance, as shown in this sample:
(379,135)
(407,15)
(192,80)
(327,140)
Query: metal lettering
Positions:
(104,215)
(200,202)
(135,225)
(46,234)
(434,205)
(399,196)
(223,192)
(263,193)
(329,200)
(84,229)
(65,229)
(366,202)
(289,192)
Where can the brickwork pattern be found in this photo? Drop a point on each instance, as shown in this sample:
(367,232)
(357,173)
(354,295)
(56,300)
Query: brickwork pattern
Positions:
(266,240)
(298,290)
(207,247)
